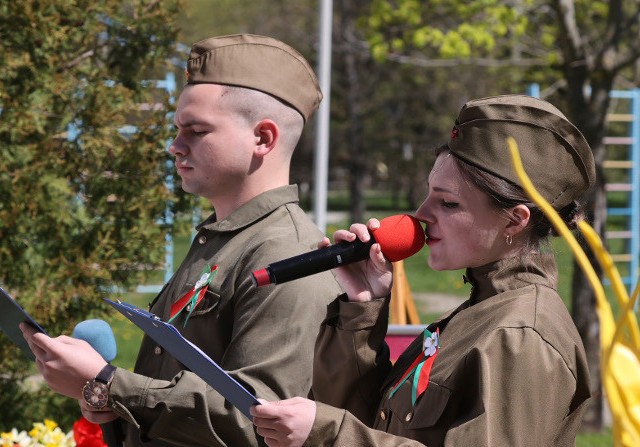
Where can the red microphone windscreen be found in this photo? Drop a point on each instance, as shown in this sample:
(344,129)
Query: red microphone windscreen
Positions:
(399,236)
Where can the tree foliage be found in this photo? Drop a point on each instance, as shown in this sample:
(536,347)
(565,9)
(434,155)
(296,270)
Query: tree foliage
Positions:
(452,29)
(82,199)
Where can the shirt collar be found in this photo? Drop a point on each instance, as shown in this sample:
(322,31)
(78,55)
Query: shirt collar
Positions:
(255,209)
(512,273)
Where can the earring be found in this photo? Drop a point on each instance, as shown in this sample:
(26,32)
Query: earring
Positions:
(509,239)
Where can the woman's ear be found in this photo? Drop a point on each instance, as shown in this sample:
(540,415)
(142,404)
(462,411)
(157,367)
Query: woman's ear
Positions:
(519,217)
(267,133)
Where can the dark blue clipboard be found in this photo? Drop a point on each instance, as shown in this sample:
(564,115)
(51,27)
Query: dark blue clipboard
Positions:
(189,355)
(11,315)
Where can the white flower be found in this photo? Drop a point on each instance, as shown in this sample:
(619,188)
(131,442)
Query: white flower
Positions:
(202,281)
(431,344)
(14,437)
(42,434)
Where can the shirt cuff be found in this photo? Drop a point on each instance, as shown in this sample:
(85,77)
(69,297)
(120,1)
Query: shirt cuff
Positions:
(355,315)
(325,426)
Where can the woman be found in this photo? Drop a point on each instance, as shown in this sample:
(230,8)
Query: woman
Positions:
(505,368)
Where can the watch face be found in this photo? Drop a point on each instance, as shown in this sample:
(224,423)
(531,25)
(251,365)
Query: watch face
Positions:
(96,394)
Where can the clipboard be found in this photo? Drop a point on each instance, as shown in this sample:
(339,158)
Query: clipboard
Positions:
(11,315)
(167,336)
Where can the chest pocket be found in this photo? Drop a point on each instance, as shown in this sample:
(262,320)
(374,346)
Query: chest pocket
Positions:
(428,409)
(209,302)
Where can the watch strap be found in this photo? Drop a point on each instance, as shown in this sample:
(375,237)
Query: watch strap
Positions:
(106,374)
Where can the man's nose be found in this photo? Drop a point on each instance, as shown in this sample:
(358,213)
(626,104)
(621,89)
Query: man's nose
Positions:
(177,146)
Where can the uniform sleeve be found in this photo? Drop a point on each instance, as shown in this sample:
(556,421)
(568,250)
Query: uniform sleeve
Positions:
(337,427)
(270,351)
(352,358)
(518,389)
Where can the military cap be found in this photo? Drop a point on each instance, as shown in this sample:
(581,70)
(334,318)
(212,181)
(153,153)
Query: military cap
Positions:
(256,62)
(554,153)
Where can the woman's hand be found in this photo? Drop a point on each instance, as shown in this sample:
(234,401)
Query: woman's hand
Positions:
(284,423)
(365,280)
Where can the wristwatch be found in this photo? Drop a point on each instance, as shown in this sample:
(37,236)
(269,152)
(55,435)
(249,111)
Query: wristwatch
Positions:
(96,391)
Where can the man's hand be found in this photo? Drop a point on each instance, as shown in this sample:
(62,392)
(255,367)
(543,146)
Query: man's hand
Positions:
(96,416)
(65,363)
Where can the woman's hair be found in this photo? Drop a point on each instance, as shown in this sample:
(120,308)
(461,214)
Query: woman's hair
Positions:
(504,195)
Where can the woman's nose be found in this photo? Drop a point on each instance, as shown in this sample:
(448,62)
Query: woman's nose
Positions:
(423,212)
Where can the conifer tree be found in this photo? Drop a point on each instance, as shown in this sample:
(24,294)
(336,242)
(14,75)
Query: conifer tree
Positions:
(83,163)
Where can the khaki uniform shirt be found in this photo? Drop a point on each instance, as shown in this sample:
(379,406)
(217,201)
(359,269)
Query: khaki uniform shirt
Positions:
(511,370)
(263,336)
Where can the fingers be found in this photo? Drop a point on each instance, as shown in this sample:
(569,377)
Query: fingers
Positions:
(284,423)
(263,411)
(35,340)
(44,346)
(343,236)
(96,416)
(357,230)
(65,363)
(325,242)
(267,422)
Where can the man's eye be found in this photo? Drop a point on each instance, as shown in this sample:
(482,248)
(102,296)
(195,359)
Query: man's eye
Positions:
(199,133)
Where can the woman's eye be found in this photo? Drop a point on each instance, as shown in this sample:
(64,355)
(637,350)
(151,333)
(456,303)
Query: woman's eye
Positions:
(449,204)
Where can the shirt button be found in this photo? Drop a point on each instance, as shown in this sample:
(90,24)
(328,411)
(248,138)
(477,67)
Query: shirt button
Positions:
(157,350)
(188,307)
(202,239)
(383,416)
(408,417)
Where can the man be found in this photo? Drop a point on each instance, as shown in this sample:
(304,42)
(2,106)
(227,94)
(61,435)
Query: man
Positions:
(239,119)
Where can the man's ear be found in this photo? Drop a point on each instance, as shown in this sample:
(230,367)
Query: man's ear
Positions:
(267,133)
(519,217)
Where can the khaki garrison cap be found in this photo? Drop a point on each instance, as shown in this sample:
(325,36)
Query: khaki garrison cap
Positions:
(554,153)
(256,62)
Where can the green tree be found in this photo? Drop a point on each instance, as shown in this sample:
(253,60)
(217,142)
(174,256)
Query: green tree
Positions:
(579,49)
(83,200)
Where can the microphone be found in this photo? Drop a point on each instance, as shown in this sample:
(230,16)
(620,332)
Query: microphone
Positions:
(399,236)
(100,336)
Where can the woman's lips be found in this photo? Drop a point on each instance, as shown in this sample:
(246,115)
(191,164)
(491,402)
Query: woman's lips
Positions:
(432,240)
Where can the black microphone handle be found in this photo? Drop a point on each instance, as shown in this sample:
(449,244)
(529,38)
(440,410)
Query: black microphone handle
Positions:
(319,260)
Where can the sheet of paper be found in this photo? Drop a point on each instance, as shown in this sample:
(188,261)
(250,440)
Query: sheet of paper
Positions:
(192,357)
(11,315)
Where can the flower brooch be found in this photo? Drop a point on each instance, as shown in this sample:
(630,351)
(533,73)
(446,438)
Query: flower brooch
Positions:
(193,297)
(421,366)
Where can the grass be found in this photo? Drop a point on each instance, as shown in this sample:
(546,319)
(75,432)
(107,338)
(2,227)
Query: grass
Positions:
(128,335)
(602,439)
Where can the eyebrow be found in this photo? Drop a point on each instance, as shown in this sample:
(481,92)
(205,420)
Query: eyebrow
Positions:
(189,123)
(441,189)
